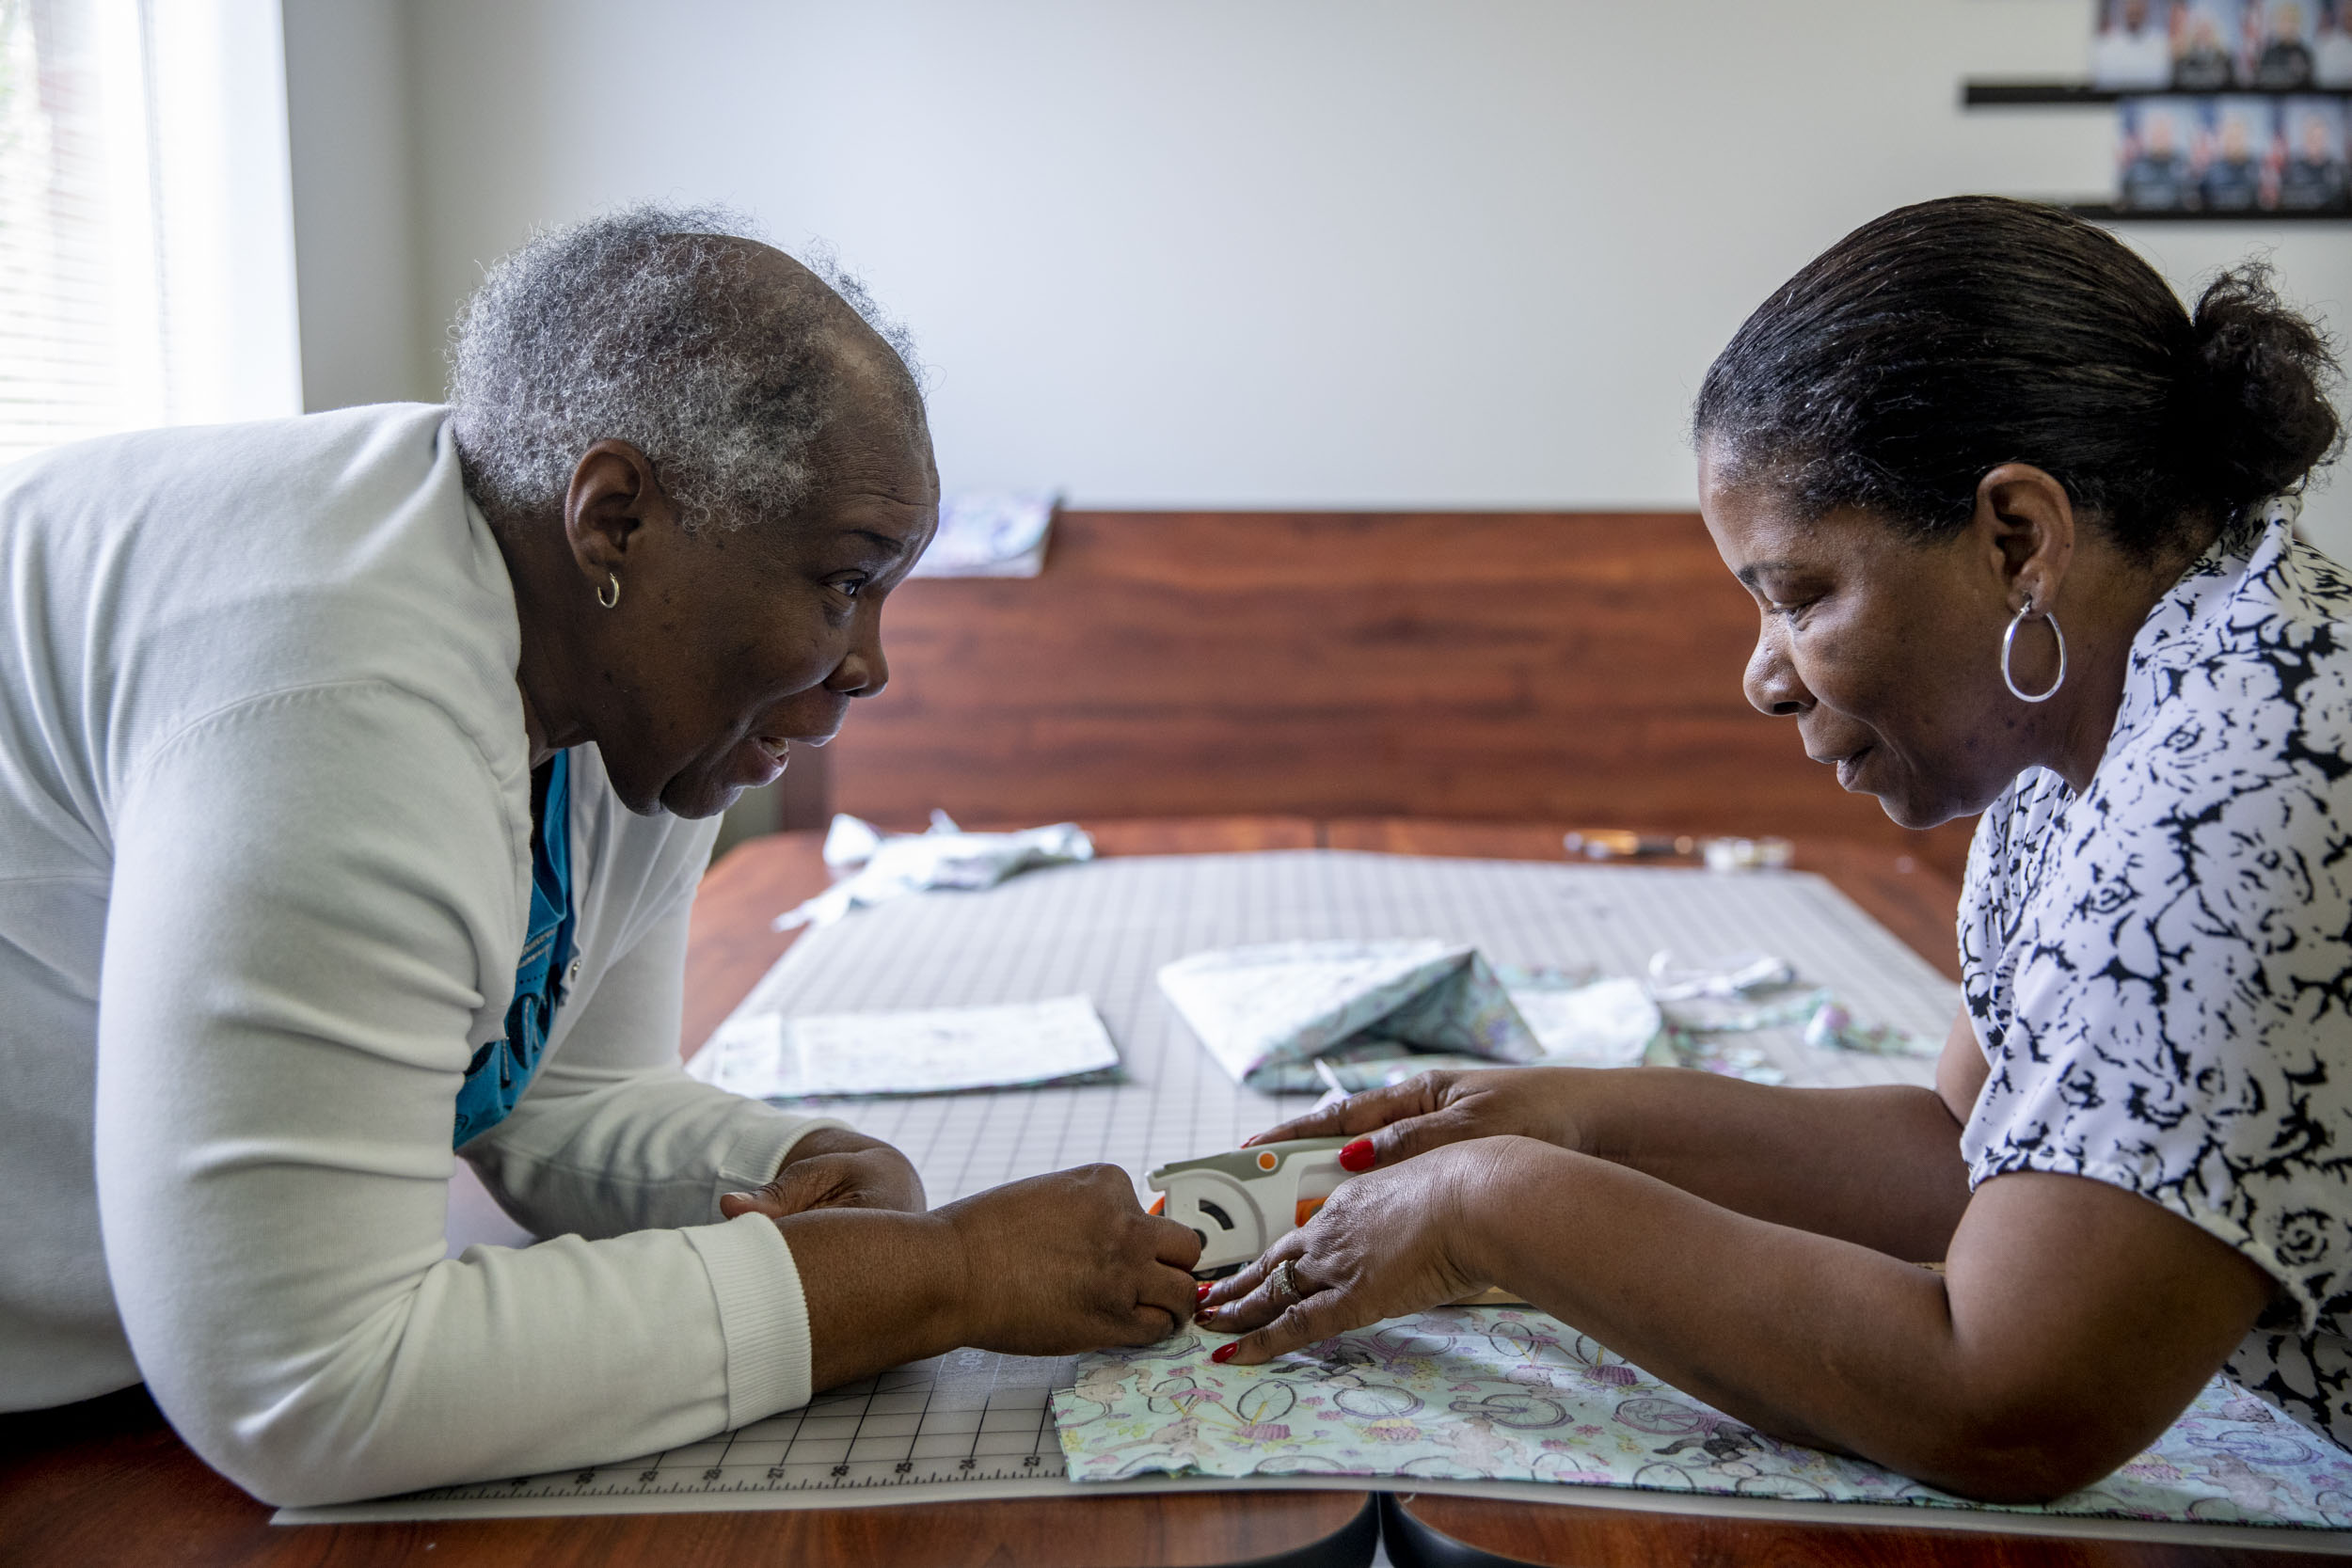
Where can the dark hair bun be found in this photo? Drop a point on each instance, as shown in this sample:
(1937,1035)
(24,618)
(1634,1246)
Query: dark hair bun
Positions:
(2265,373)
(1936,342)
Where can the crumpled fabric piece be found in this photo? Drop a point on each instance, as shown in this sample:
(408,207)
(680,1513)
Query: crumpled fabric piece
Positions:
(1757,990)
(946,857)
(1292,1017)
(1832,1027)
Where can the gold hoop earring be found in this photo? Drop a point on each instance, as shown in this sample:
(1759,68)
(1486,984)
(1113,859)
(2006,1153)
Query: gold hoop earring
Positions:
(612,603)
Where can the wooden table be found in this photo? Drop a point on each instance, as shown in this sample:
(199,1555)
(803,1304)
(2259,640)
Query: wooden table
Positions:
(107,1481)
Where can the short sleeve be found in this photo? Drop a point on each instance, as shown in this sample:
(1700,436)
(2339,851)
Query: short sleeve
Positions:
(2169,1013)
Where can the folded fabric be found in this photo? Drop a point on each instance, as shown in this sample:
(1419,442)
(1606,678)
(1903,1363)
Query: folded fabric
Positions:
(1269,1012)
(1589,1024)
(897,864)
(990,535)
(1290,1017)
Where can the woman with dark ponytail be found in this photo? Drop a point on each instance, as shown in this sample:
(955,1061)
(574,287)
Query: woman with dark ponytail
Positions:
(2020,529)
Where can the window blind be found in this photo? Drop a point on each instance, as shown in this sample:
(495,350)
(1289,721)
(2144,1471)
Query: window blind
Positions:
(146,270)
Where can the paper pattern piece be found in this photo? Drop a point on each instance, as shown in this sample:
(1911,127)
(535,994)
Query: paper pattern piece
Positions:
(1511,1394)
(1268,1011)
(933,1051)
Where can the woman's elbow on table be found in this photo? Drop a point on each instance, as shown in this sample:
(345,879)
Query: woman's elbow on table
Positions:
(502,1363)
(302,1430)
(2083,1321)
(2022,1446)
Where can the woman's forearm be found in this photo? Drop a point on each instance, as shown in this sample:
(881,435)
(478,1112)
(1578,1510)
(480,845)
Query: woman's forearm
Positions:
(2077,1320)
(1880,1168)
(1759,1320)
(1877,1166)
(883,1288)
(1046,1266)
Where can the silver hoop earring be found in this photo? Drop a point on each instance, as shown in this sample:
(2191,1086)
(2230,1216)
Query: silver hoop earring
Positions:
(2009,645)
(613,603)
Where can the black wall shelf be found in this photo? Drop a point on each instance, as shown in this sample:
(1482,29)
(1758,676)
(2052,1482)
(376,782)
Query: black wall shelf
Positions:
(2021,95)
(2107,212)
(2048,94)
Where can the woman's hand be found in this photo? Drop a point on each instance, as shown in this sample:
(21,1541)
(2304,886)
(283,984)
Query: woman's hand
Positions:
(1401,1120)
(1383,1244)
(834,1168)
(1047,1266)
(1067,1262)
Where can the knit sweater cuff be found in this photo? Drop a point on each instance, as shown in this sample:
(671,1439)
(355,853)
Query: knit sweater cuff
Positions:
(762,1315)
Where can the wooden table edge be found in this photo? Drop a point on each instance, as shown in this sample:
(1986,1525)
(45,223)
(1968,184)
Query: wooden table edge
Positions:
(117,1485)
(1475,1532)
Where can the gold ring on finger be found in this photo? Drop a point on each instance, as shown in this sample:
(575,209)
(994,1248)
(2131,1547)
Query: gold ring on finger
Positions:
(1285,1282)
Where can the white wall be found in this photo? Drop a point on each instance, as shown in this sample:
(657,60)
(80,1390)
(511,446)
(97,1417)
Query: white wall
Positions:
(1283,252)
(349,114)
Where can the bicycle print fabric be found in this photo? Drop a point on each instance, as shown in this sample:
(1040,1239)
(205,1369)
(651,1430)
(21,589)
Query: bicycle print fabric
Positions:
(1511,1394)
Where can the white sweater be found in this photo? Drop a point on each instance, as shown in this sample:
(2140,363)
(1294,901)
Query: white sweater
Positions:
(264,872)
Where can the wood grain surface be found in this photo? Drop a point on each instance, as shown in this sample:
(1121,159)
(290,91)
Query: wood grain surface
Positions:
(1565,1535)
(733,939)
(1494,666)
(108,1483)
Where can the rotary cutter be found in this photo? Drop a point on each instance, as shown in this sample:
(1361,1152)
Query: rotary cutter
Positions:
(1238,1202)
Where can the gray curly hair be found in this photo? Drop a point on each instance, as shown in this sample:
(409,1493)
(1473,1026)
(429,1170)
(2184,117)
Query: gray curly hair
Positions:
(638,325)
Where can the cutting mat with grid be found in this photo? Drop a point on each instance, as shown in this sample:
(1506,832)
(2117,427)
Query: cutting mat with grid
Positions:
(969,1423)
(1106,928)
(975,1423)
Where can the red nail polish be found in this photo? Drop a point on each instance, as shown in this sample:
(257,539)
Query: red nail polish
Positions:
(1224,1353)
(1357,1156)
(1202,1293)
(1205,1316)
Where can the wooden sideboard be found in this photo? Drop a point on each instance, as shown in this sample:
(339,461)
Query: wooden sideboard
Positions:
(1501,667)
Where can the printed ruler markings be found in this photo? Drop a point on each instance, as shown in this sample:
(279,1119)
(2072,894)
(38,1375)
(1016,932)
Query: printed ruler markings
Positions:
(1044,1437)
(971,1456)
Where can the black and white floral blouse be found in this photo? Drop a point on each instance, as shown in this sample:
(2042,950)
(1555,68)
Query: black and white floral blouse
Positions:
(2160,970)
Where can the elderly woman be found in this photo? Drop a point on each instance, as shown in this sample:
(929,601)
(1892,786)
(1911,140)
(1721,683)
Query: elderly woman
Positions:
(356,775)
(2003,505)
